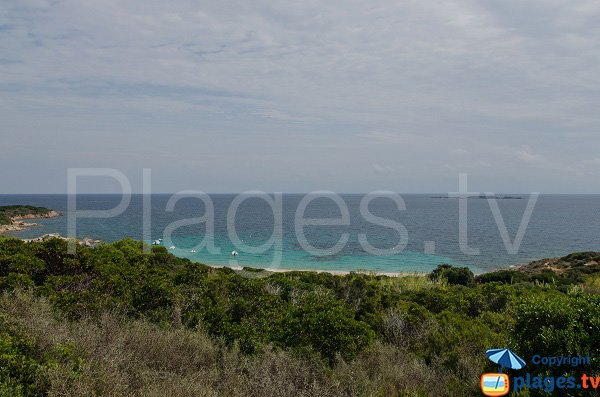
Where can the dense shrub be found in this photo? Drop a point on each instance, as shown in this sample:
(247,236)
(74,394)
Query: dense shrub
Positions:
(18,367)
(114,320)
(453,275)
(553,324)
(503,276)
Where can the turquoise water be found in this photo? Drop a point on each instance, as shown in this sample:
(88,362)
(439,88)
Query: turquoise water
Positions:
(560,224)
(288,258)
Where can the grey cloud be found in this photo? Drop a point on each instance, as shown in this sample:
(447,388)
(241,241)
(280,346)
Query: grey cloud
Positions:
(438,87)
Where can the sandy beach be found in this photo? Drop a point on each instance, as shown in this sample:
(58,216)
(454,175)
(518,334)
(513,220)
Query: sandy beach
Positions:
(334,272)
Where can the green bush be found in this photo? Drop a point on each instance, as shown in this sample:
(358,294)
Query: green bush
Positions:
(453,275)
(324,324)
(18,368)
(503,276)
(347,330)
(553,324)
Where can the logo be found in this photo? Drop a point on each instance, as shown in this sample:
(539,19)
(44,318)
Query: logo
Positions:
(498,384)
(493,384)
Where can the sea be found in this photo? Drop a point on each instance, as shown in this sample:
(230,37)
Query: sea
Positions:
(347,232)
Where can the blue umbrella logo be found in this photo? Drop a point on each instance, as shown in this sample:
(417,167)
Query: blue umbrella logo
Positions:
(505,358)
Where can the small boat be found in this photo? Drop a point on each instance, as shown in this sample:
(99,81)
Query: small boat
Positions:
(172,247)
(193,251)
(234,253)
(156,242)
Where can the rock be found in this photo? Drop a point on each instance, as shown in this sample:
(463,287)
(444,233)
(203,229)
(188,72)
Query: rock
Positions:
(49,214)
(87,242)
(17,224)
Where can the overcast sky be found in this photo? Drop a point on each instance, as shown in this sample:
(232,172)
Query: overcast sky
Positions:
(225,96)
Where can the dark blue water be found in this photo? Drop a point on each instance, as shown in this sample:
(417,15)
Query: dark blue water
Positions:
(560,224)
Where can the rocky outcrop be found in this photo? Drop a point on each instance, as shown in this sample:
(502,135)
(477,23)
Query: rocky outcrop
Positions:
(49,214)
(17,224)
(88,242)
(586,262)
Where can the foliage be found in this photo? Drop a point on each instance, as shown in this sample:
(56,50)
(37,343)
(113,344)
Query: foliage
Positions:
(116,320)
(9,211)
(453,275)
(551,323)
(503,276)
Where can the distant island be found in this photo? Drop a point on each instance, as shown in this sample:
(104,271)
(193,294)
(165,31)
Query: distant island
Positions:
(11,216)
(481,196)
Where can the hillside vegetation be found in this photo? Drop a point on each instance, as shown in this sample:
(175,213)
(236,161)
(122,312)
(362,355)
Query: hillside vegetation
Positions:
(7,212)
(114,321)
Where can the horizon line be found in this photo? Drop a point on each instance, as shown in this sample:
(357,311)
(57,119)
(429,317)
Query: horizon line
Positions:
(298,193)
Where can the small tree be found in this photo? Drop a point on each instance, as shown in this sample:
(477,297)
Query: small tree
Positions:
(453,275)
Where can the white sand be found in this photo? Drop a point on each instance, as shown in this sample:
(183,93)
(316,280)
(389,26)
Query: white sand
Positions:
(334,272)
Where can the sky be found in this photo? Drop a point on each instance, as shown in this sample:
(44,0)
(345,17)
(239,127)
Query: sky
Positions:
(296,96)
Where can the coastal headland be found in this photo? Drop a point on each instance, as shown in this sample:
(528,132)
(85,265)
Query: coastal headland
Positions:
(12,216)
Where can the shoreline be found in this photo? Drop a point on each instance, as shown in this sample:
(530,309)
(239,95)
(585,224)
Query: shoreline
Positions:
(258,270)
(17,224)
(89,242)
(415,273)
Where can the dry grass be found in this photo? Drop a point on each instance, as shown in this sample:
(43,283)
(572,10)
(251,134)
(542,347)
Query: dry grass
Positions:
(592,284)
(122,358)
(405,283)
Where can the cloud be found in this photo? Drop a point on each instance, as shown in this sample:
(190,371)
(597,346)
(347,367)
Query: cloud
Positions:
(421,86)
(530,158)
(458,151)
(382,168)
(281,116)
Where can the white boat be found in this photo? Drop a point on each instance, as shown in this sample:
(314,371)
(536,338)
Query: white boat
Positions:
(234,253)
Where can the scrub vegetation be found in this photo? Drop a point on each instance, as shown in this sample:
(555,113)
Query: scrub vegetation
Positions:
(8,212)
(113,321)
